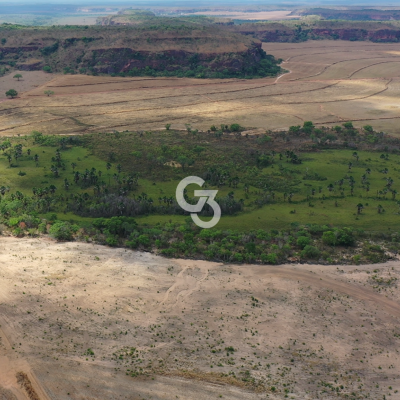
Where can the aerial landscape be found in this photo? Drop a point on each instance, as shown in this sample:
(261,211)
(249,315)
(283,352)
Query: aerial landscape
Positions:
(120,279)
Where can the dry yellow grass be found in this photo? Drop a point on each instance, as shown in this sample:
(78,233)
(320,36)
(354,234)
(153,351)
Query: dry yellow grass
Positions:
(329,82)
(258,15)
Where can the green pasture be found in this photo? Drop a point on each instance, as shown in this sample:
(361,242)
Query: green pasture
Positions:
(320,168)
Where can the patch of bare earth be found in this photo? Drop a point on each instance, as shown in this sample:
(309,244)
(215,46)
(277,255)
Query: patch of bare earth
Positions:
(82,321)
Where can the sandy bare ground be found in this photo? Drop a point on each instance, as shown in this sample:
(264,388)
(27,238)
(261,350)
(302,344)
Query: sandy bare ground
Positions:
(329,82)
(84,321)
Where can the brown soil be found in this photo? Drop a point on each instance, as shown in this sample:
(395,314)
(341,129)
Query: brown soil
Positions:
(78,320)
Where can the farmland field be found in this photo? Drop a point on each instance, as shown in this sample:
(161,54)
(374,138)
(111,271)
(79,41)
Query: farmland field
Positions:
(329,82)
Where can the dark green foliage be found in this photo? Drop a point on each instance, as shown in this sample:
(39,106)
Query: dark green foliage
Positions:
(303,241)
(310,252)
(11,93)
(343,237)
(46,51)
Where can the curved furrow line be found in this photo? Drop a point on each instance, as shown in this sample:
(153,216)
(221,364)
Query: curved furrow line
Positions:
(335,63)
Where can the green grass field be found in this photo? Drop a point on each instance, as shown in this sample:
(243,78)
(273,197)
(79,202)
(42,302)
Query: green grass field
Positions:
(336,207)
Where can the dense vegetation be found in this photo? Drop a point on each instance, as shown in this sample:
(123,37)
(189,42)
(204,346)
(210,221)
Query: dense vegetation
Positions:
(332,199)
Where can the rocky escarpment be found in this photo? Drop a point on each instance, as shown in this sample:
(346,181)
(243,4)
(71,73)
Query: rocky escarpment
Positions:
(275,32)
(114,60)
(183,50)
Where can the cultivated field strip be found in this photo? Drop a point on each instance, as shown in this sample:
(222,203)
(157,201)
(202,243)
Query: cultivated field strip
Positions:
(329,82)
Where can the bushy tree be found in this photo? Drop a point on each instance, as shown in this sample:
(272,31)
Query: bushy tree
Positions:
(11,93)
(303,241)
(63,231)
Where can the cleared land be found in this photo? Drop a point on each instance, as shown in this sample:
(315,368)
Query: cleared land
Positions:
(329,82)
(259,15)
(86,321)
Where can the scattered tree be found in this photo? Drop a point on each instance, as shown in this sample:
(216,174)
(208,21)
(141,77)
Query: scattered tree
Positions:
(11,93)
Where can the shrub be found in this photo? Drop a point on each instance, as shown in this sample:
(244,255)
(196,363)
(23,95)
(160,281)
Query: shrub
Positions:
(112,240)
(62,231)
(235,127)
(342,237)
(144,240)
(238,257)
(310,252)
(272,258)
(303,241)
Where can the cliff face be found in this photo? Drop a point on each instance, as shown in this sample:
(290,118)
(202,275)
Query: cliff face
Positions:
(113,60)
(202,50)
(299,34)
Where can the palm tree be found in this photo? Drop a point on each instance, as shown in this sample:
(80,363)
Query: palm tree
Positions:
(52,189)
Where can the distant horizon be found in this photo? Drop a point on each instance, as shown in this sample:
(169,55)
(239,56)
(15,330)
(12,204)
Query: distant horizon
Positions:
(197,4)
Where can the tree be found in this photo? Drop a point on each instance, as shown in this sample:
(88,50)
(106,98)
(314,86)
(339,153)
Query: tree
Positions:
(295,129)
(167,126)
(11,93)
(337,128)
(348,125)
(183,160)
(359,208)
(47,69)
(48,92)
(368,128)
(63,230)
(17,76)
(308,126)
(235,127)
